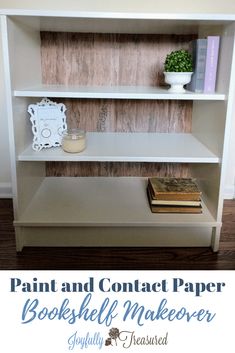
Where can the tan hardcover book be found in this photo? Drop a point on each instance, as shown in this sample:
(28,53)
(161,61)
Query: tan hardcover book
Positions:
(171,202)
(175,209)
(174,189)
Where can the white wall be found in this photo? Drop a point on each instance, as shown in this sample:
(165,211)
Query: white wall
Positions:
(219,6)
(208,6)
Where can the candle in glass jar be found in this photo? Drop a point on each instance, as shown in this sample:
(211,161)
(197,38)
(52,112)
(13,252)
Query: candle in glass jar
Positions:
(74,140)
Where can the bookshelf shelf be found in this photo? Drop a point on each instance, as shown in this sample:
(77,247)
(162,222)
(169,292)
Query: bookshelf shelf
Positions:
(100,201)
(96,206)
(131,147)
(112,92)
(129,117)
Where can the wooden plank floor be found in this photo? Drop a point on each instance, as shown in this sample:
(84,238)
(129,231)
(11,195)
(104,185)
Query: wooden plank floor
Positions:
(117,258)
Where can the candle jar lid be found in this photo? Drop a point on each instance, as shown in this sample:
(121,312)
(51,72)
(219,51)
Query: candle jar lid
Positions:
(73,134)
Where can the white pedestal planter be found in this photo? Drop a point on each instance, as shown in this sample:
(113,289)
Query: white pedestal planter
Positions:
(177,80)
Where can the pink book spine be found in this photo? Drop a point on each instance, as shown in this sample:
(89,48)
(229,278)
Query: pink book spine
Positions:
(211,63)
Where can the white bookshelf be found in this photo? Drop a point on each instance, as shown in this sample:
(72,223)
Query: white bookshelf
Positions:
(106,211)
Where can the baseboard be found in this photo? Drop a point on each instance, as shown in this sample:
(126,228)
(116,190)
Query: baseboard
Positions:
(5,191)
(229,192)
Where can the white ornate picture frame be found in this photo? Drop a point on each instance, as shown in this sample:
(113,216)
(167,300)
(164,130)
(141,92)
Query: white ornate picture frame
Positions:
(48,123)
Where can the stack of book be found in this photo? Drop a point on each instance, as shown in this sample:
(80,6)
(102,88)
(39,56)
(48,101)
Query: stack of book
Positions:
(205,54)
(174,195)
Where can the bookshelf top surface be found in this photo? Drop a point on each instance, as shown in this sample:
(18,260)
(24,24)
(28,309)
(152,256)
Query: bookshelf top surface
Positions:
(117,22)
(120,15)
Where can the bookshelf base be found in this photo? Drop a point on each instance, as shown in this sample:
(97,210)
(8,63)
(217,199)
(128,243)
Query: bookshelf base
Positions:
(113,236)
(106,211)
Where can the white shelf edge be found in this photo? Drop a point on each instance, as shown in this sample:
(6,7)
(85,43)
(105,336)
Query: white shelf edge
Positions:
(130,147)
(183,224)
(77,195)
(124,159)
(113,92)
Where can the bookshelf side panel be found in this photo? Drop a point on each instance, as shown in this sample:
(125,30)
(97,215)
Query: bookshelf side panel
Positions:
(24,53)
(225,60)
(26,178)
(208,123)
(208,179)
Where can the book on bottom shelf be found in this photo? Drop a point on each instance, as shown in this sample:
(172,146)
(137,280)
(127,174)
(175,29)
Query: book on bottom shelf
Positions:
(175,209)
(174,195)
(174,189)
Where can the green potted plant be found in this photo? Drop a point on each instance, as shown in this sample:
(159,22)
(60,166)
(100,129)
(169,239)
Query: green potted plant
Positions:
(178,69)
